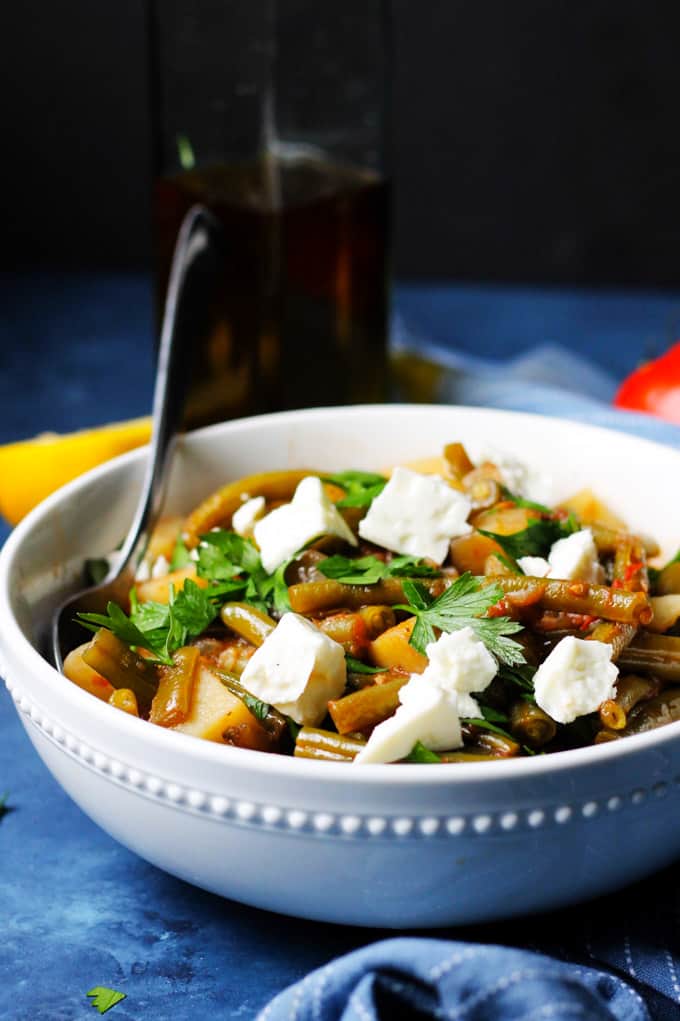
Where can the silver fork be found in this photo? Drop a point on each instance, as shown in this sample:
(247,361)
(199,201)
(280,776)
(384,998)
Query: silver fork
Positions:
(195,265)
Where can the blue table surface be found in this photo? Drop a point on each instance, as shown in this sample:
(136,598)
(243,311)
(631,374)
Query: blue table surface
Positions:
(78,910)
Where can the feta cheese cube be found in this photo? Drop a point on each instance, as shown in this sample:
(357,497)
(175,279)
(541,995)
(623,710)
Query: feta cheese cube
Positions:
(535,567)
(160,568)
(460,662)
(432,703)
(575,558)
(243,519)
(575,679)
(297,669)
(520,478)
(427,714)
(284,531)
(416,514)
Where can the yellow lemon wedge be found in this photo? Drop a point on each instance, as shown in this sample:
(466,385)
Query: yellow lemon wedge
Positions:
(32,469)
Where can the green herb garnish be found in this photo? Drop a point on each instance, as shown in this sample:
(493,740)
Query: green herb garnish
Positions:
(420,754)
(370,570)
(180,555)
(536,539)
(519,501)
(462,605)
(522,677)
(355,666)
(103,999)
(484,724)
(361,488)
(159,627)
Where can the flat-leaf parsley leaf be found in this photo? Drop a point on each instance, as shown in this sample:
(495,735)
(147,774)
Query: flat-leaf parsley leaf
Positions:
(103,999)
(370,570)
(462,605)
(361,488)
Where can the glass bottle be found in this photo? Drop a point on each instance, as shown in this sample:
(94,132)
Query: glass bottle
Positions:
(273,115)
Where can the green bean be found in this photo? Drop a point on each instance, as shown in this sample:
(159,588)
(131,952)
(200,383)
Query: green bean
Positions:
(218,508)
(318,596)
(531,725)
(467,756)
(580,597)
(655,654)
(274,722)
(122,667)
(172,701)
(348,630)
(497,745)
(668,582)
(247,621)
(617,635)
(630,565)
(377,619)
(366,707)
(664,708)
(607,539)
(326,745)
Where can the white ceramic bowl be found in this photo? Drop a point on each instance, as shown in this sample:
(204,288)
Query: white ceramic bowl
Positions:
(374,845)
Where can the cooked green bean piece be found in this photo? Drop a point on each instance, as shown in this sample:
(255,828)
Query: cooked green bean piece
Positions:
(630,690)
(664,708)
(630,565)
(489,742)
(612,715)
(172,701)
(218,508)
(348,630)
(317,596)
(668,582)
(580,597)
(465,755)
(325,744)
(654,654)
(377,619)
(274,722)
(247,621)
(366,707)
(604,735)
(122,667)
(531,725)
(617,635)
(607,539)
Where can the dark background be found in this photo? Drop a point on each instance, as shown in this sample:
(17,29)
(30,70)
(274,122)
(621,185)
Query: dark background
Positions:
(534,140)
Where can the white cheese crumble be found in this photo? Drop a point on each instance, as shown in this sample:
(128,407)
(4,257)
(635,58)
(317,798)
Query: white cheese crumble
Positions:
(575,679)
(284,531)
(575,558)
(297,669)
(432,703)
(416,514)
(519,478)
(426,714)
(243,520)
(535,567)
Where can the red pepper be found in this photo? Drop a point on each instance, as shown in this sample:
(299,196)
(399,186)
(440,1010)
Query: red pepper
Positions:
(654,388)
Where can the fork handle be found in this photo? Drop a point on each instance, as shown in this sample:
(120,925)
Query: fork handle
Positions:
(196,265)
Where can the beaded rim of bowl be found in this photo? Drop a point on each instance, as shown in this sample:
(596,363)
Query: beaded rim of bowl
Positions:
(346,825)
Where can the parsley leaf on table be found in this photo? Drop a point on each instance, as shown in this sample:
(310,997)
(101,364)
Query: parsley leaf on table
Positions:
(103,999)
(370,570)
(361,488)
(462,605)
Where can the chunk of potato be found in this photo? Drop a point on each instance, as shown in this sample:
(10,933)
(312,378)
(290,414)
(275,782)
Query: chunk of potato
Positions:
(391,649)
(158,589)
(217,715)
(78,671)
(589,509)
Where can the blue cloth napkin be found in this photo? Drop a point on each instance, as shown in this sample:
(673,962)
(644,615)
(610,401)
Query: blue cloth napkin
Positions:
(440,979)
(637,937)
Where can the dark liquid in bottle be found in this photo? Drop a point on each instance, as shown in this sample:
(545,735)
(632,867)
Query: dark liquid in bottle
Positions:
(300,315)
